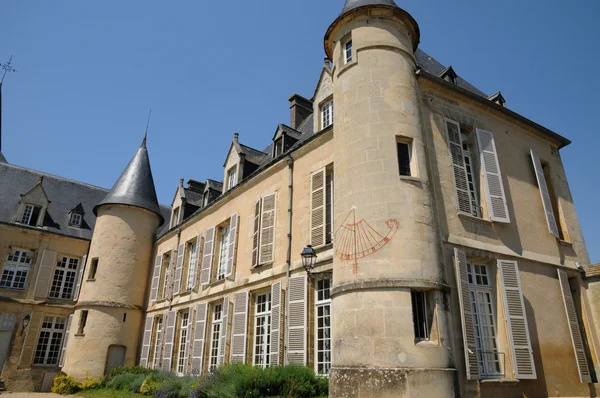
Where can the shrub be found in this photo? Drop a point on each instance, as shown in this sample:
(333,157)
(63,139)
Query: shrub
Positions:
(136,370)
(126,381)
(91,384)
(65,385)
(322,386)
(150,384)
(169,388)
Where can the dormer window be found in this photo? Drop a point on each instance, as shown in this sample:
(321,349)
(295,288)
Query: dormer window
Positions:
(278,147)
(30,214)
(75,220)
(231,178)
(327,114)
(175,218)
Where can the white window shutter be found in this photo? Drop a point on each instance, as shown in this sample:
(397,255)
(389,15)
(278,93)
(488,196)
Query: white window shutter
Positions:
(80,278)
(224,324)
(178,269)
(461,185)
(207,256)
(466,314)
(297,325)
(256,233)
(267,229)
(317,208)
(199,335)
(490,166)
(44,275)
(155,278)
(545,193)
(147,339)
(233,227)
(516,320)
(276,324)
(169,281)
(63,352)
(576,339)
(240,324)
(169,339)
(186,351)
(159,344)
(196,260)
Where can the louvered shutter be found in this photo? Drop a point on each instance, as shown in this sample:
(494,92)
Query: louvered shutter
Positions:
(545,193)
(189,337)
(199,334)
(190,340)
(224,324)
(267,229)
(155,278)
(147,339)
(160,337)
(169,339)
(317,208)
(178,269)
(207,256)
(461,185)
(296,331)
(240,324)
(576,339)
(44,275)
(516,316)
(496,198)
(256,233)
(79,278)
(233,224)
(195,262)
(63,351)
(464,298)
(275,324)
(171,278)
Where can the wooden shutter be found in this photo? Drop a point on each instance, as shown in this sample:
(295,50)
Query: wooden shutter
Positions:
(490,166)
(233,224)
(189,337)
(199,333)
(147,339)
(178,269)
(156,278)
(516,320)
(275,324)
(30,341)
(169,281)
(224,324)
(44,275)
(267,229)
(195,260)
(466,314)
(545,193)
(317,208)
(296,333)
(576,339)
(207,256)
(169,339)
(159,342)
(256,233)
(63,351)
(240,324)
(461,185)
(79,278)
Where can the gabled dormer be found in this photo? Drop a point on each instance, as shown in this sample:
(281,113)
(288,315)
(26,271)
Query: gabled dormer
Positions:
(212,190)
(241,161)
(77,217)
(498,98)
(283,139)
(177,205)
(449,75)
(323,99)
(33,206)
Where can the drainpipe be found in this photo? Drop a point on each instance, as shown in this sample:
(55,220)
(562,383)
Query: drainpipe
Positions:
(288,259)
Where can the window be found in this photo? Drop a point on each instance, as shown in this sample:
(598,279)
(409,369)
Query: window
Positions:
(471,184)
(82,321)
(560,221)
(327,114)
(192,265)
(93,269)
(47,350)
(217,322)
(419,310)
(63,282)
(323,326)
(278,147)
(166,265)
(348,52)
(30,215)
(183,341)
(75,220)
(231,177)
(158,337)
(16,269)
(223,252)
(484,318)
(262,335)
(175,219)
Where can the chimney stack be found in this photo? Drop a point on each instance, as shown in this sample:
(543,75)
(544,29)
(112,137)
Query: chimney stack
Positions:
(300,109)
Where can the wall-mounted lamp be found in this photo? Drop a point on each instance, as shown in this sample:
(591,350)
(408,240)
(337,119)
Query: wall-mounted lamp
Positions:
(309,259)
(26,320)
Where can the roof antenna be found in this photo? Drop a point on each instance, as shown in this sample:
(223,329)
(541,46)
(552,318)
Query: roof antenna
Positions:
(147,124)
(7,68)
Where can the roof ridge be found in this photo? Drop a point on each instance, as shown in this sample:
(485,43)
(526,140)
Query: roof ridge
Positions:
(54,176)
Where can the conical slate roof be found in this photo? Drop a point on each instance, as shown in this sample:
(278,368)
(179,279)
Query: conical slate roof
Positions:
(352,4)
(135,186)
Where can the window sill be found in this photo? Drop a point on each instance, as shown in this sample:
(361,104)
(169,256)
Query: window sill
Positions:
(427,343)
(90,280)
(411,178)
(564,243)
(472,217)
(79,335)
(499,381)
(217,283)
(345,67)
(322,248)
(261,267)
(186,293)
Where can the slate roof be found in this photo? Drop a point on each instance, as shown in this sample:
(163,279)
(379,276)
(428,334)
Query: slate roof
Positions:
(64,195)
(193,197)
(2,158)
(352,4)
(216,185)
(252,155)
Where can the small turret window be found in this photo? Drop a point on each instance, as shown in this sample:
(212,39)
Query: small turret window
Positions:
(327,114)
(75,220)
(348,52)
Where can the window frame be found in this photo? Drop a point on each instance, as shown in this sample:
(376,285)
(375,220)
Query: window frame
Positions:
(30,214)
(264,345)
(60,284)
(327,114)
(83,316)
(470,171)
(420,319)
(93,269)
(223,257)
(215,336)
(347,51)
(21,262)
(232,177)
(58,326)
(157,351)
(175,219)
(166,275)
(183,341)
(322,303)
(191,260)
(74,223)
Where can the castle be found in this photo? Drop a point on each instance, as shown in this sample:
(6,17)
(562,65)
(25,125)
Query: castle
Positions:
(441,251)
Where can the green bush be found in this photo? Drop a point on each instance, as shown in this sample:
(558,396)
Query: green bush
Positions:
(91,384)
(150,384)
(65,385)
(126,381)
(136,370)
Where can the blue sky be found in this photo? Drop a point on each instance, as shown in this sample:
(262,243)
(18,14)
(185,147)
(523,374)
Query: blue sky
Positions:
(88,72)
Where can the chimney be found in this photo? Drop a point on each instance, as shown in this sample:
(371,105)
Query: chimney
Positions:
(300,109)
(195,186)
